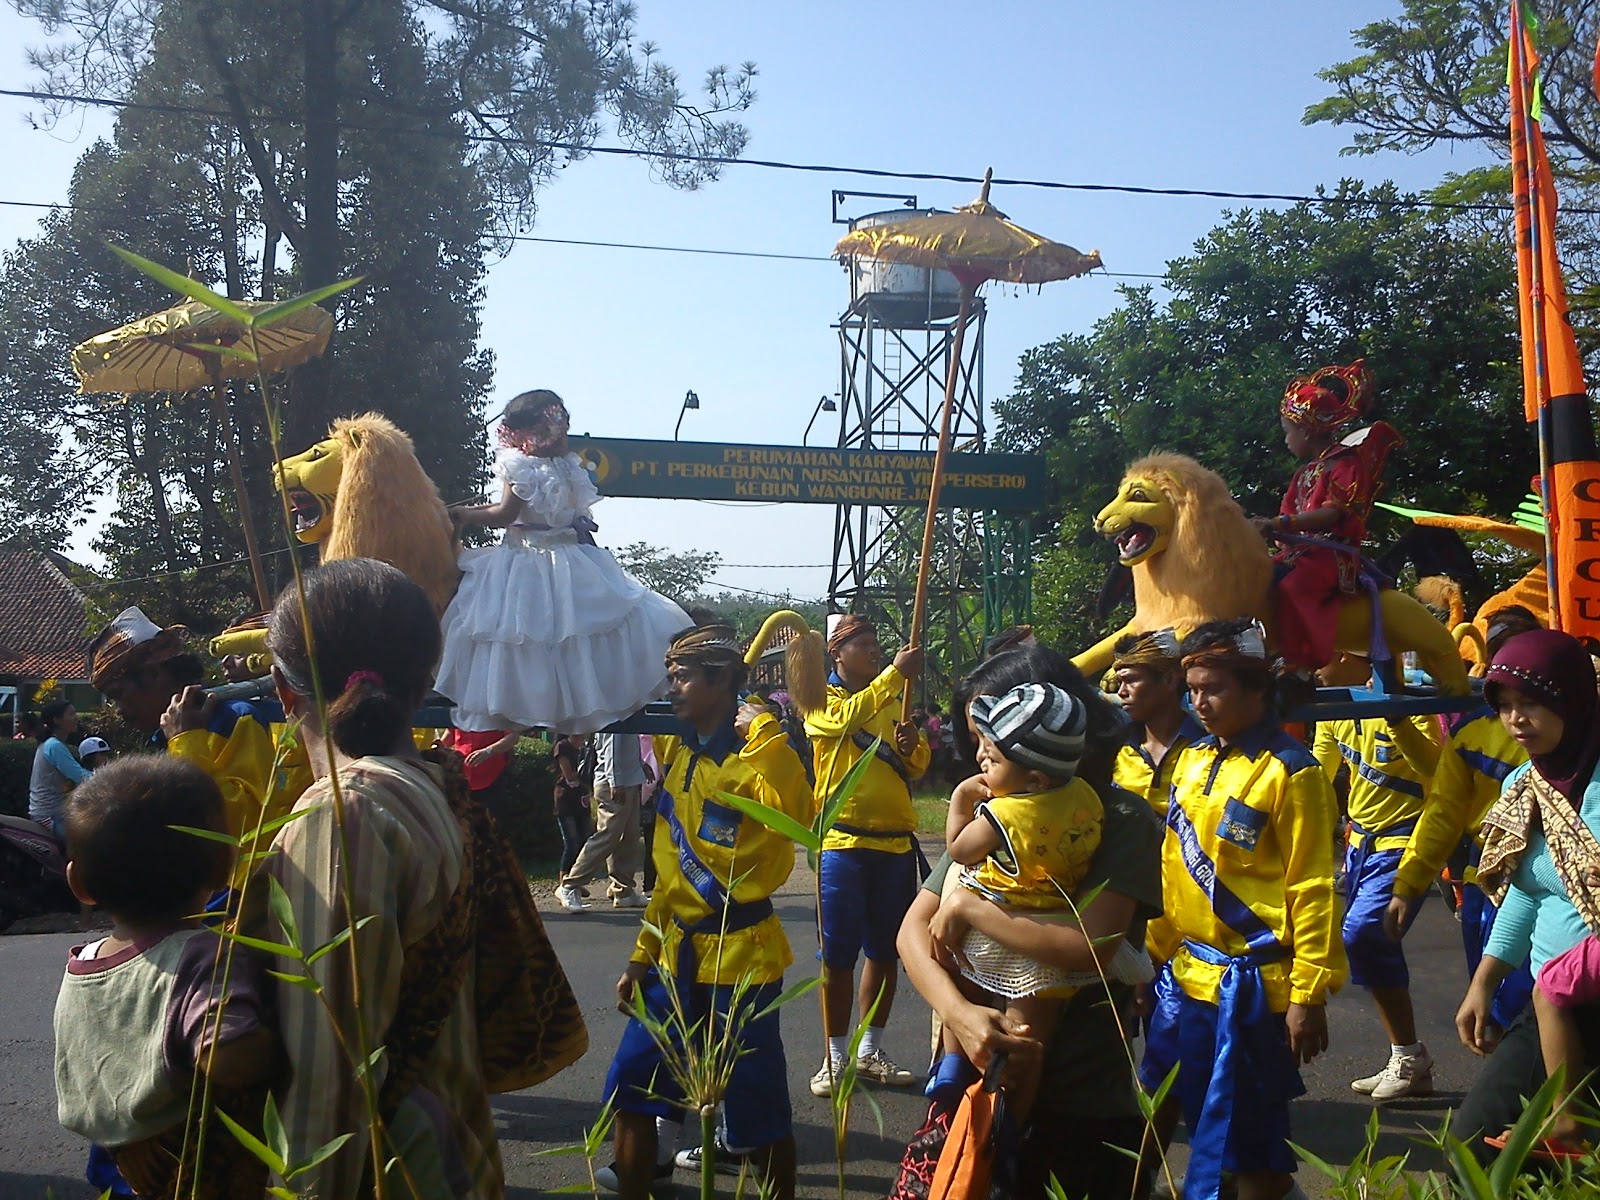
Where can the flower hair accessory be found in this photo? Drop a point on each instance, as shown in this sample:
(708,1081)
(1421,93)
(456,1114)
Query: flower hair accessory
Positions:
(359,677)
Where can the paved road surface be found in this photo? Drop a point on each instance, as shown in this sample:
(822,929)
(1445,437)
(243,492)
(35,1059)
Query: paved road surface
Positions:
(35,1153)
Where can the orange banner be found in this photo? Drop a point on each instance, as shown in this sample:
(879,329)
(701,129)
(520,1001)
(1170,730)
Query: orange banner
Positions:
(1554,393)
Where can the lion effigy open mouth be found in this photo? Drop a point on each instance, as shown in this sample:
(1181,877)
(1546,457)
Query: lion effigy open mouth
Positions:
(307,510)
(1134,541)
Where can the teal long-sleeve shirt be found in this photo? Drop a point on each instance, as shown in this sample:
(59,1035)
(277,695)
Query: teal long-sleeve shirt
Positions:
(1538,920)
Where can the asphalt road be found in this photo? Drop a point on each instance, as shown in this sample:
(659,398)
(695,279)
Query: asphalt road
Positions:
(36,1154)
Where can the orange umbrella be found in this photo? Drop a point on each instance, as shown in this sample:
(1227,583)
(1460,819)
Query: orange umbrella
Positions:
(976,244)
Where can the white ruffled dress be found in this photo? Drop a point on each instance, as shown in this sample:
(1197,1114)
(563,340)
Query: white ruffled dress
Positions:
(546,630)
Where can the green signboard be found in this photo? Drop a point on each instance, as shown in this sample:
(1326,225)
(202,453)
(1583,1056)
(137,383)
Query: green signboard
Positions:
(808,475)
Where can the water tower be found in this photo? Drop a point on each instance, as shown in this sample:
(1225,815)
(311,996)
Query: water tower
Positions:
(895,342)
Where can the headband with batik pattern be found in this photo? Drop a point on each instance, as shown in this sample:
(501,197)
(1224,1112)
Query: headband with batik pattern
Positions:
(849,627)
(1157,650)
(1245,650)
(705,646)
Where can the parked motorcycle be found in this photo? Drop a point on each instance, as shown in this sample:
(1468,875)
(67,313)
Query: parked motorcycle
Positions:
(33,872)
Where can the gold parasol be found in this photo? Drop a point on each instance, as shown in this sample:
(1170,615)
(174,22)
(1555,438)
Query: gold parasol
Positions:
(173,351)
(976,244)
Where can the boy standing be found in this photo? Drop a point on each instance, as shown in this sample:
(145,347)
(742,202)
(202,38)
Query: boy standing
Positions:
(717,870)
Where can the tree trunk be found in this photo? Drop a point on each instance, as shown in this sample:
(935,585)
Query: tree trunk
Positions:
(318,257)
(145,462)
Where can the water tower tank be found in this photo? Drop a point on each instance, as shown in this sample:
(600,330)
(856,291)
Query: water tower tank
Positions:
(897,294)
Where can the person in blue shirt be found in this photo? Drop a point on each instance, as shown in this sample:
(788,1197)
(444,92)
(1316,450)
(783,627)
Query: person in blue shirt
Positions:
(55,768)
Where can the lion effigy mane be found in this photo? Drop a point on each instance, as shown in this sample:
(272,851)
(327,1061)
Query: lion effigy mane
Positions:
(361,493)
(1207,567)
(1195,557)
(384,504)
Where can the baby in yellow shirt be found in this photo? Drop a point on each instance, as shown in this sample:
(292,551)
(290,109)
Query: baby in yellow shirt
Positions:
(1030,845)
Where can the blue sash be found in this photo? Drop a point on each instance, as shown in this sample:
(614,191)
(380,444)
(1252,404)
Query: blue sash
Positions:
(727,915)
(1241,1007)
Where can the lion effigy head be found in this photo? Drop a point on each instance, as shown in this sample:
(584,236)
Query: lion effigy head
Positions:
(1194,554)
(362,493)
(311,483)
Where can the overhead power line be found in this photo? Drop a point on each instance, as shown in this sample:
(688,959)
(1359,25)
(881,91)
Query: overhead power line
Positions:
(575,148)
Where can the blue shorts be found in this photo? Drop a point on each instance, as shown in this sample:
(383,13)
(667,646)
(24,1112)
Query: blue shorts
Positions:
(756,1106)
(865,895)
(1376,959)
(1183,1033)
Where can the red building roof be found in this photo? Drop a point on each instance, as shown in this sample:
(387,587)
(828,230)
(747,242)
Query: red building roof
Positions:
(42,618)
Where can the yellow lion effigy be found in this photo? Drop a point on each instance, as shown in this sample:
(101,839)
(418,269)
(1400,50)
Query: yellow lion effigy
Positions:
(361,493)
(1196,557)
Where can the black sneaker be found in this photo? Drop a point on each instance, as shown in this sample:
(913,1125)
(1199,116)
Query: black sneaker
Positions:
(728,1163)
(606,1177)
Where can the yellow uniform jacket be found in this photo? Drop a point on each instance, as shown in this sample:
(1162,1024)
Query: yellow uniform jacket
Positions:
(1477,757)
(1262,812)
(1133,771)
(258,785)
(882,800)
(1386,785)
(748,860)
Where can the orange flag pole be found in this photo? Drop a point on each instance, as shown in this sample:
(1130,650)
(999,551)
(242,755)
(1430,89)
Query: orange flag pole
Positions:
(1531,288)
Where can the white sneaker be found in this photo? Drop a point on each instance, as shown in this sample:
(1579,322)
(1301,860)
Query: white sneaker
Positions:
(1406,1075)
(822,1081)
(571,899)
(1366,1083)
(878,1067)
(627,899)
(606,1178)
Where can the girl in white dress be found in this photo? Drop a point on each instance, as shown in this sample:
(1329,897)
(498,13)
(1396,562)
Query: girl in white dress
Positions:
(546,629)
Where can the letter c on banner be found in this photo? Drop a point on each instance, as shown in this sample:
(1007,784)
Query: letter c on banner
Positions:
(1586,489)
(1588,569)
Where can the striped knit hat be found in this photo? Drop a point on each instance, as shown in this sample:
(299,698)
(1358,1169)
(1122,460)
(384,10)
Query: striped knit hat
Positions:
(1035,725)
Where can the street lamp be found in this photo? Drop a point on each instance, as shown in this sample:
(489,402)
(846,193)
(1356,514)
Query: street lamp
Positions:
(826,404)
(690,400)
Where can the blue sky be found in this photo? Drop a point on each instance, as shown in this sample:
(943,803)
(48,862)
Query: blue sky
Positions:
(1199,94)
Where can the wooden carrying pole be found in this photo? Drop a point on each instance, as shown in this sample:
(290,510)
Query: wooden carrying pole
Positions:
(919,605)
(230,442)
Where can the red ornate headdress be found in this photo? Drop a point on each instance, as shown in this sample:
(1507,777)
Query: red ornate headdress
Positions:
(1329,398)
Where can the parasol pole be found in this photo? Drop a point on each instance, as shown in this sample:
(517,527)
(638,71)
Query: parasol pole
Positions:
(919,605)
(230,441)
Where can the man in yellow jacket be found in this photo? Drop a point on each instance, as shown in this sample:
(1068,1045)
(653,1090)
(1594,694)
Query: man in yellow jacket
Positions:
(1151,689)
(1391,762)
(154,682)
(710,933)
(868,866)
(1251,931)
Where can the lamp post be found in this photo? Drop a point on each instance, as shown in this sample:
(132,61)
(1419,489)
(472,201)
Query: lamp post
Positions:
(690,400)
(826,404)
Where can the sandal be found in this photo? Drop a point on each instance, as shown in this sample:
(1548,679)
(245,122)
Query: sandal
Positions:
(1546,1148)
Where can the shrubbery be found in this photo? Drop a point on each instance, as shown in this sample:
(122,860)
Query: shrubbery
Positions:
(522,802)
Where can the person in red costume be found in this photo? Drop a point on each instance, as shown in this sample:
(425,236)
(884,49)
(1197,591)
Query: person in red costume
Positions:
(1330,498)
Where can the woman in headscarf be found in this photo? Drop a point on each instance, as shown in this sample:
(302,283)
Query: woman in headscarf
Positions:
(1541,854)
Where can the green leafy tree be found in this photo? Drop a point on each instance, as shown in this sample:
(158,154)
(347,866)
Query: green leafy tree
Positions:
(1265,296)
(1435,75)
(271,147)
(517,88)
(677,576)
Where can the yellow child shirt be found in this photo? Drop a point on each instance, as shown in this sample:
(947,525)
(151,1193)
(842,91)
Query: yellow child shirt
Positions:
(256,786)
(1047,841)
(1134,772)
(1387,786)
(882,800)
(734,847)
(1477,757)
(1263,813)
